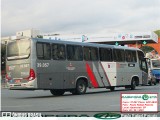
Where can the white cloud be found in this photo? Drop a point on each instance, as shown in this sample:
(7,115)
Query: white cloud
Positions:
(80,16)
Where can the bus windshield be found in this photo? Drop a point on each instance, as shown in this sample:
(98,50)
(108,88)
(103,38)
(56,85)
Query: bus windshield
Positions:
(156,63)
(18,49)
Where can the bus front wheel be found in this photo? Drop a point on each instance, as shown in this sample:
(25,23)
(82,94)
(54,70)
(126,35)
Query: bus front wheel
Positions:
(57,92)
(112,88)
(133,84)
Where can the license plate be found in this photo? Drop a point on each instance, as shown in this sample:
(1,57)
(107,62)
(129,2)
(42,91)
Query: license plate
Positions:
(17,81)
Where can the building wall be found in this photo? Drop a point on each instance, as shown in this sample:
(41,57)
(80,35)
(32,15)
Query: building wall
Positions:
(28,33)
(156,46)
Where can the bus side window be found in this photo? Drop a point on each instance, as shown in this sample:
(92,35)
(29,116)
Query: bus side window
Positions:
(130,56)
(47,51)
(105,54)
(140,57)
(43,51)
(94,54)
(90,54)
(39,50)
(86,52)
(58,52)
(134,57)
(74,53)
(119,55)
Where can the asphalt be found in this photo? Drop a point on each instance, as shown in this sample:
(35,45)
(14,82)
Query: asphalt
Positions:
(94,100)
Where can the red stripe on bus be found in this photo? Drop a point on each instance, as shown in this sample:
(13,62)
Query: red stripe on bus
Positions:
(91,76)
(105,73)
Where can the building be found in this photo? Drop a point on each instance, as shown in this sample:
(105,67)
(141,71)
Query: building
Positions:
(32,33)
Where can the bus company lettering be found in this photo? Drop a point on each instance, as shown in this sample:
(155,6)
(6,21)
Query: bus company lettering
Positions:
(43,65)
(24,65)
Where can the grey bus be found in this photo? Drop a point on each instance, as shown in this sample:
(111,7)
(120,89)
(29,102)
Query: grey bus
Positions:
(60,66)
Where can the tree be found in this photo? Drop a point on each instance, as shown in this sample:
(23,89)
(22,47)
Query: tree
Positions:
(146,49)
(3,56)
(158,33)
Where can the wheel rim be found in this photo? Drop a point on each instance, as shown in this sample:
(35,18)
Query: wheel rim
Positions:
(81,87)
(134,84)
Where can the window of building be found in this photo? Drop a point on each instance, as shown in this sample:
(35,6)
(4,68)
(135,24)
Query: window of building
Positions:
(58,52)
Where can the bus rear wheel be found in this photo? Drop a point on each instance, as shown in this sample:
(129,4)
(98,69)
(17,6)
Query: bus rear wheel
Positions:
(57,92)
(81,88)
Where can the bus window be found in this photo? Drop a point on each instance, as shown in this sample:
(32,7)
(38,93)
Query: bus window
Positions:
(144,66)
(90,54)
(156,63)
(19,49)
(58,52)
(130,56)
(94,54)
(74,53)
(87,56)
(105,54)
(43,51)
(118,55)
(134,57)
(140,55)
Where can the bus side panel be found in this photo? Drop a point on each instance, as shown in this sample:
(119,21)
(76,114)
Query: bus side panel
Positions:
(109,71)
(50,74)
(73,71)
(95,67)
(123,74)
(126,71)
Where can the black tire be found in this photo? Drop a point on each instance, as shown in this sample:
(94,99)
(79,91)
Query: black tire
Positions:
(112,88)
(154,83)
(157,80)
(57,92)
(81,88)
(150,82)
(133,84)
(127,87)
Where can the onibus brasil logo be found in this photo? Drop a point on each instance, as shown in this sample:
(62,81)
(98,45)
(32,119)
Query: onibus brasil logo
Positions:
(145,97)
(107,115)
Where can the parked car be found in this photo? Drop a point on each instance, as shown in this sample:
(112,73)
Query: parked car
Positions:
(154,69)
(151,79)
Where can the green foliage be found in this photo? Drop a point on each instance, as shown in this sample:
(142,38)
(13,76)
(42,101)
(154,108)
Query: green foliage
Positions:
(146,49)
(157,32)
(3,57)
(39,36)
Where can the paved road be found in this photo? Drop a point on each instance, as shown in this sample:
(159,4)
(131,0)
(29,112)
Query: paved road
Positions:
(94,100)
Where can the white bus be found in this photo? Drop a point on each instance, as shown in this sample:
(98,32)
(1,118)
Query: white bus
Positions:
(60,66)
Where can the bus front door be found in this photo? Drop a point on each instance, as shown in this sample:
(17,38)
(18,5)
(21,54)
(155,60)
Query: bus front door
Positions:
(144,69)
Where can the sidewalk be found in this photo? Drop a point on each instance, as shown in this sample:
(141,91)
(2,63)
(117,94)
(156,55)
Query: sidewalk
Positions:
(4,85)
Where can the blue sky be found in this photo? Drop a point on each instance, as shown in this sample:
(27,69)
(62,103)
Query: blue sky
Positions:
(80,16)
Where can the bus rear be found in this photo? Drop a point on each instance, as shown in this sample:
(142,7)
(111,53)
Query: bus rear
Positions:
(19,73)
